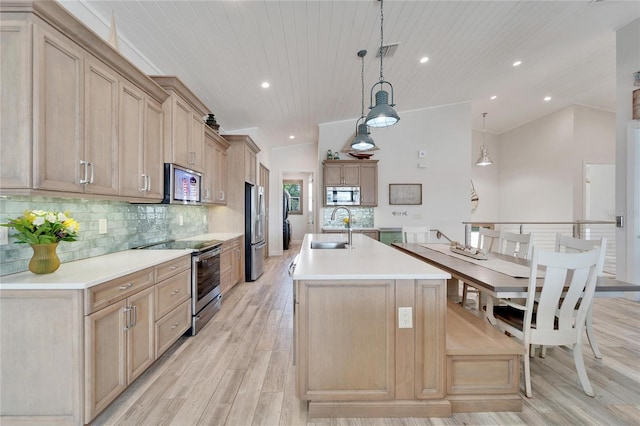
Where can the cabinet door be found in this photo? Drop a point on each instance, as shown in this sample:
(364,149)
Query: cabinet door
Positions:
(210,170)
(236,263)
(58,98)
(196,148)
(101,127)
(430,339)
(140,336)
(368,184)
(365,349)
(132,106)
(15,104)
(105,357)
(226,268)
(250,164)
(220,183)
(351,174)
(181,129)
(332,175)
(153,150)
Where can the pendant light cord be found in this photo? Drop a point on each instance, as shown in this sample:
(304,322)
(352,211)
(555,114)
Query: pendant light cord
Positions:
(484,115)
(361,54)
(381,38)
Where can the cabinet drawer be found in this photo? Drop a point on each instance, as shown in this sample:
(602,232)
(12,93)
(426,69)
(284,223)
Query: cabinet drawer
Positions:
(103,295)
(171,292)
(171,268)
(172,326)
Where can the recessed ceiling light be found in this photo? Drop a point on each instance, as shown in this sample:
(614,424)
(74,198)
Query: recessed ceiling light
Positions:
(265,85)
(547,98)
(292,137)
(517,63)
(424,59)
(493,97)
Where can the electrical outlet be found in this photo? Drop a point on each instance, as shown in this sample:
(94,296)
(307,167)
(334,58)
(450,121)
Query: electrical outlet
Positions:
(180,220)
(102,226)
(4,235)
(405,317)
(422,153)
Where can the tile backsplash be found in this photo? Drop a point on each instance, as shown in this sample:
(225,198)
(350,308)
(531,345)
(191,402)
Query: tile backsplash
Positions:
(362,217)
(128,225)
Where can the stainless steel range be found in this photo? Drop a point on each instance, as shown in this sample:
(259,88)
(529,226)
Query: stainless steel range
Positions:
(205,277)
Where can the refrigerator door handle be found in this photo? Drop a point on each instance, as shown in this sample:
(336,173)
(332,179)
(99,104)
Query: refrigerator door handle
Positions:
(260,244)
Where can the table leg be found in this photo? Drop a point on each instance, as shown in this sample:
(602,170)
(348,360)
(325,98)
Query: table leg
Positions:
(453,289)
(488,313)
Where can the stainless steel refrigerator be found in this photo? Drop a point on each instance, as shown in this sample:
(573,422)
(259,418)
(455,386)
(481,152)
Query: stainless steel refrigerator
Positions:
(254,223)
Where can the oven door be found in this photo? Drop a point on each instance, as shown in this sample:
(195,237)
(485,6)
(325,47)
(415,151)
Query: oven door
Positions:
(205,278)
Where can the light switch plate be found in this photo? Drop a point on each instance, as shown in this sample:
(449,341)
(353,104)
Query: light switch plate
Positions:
(181,220)
(102,226)
(405,319)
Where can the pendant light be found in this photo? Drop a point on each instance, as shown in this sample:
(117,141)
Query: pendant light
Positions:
(362,140)
(484,159)
(382,115)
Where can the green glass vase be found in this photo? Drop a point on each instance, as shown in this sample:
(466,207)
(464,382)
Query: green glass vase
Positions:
(45,259)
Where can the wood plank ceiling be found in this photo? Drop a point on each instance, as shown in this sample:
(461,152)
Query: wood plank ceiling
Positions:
(224,50)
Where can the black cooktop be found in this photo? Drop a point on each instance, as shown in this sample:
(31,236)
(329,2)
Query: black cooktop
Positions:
(197,245)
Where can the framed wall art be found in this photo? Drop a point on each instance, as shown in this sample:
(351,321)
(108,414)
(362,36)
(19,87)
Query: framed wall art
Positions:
(405,194)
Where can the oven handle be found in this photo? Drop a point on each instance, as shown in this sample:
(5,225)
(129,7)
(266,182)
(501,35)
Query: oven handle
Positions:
(207,255)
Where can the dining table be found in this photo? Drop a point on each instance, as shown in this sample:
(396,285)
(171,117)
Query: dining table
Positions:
(497,283)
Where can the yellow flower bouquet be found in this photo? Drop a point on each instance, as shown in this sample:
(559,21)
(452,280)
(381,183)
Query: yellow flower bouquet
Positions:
(43,227)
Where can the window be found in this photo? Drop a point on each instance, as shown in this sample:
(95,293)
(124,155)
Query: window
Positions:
(294,188)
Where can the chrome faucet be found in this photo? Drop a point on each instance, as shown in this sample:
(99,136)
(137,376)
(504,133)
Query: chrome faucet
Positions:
(333,217)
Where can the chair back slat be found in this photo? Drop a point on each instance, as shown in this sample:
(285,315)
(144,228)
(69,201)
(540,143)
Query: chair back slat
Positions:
(518,245)
(490,240)
(415,234)
(573,245)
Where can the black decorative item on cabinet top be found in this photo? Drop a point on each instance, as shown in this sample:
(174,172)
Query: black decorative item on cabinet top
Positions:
(211,122)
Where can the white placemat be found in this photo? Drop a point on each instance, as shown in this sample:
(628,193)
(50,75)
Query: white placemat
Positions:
(503,266)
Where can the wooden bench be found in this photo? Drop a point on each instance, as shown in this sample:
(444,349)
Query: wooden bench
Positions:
(483,365)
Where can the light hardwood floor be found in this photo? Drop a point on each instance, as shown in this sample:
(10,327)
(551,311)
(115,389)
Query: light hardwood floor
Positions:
(238,371)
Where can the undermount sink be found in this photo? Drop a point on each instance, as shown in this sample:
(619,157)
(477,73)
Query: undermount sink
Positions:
(328,244)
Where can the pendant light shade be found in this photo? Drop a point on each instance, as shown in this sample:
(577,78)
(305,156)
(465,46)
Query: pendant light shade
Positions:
(362,141)
(382,114)
(484,159)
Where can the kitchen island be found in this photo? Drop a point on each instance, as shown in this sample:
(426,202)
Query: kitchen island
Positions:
(371,337)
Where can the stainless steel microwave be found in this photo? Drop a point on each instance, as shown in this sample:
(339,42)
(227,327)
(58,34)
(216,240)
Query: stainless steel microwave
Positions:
(181,185)
(342,195)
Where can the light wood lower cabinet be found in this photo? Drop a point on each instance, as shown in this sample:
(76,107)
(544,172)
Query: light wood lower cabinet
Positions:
(67,354)
(230,264)
(375,234)
(349,347)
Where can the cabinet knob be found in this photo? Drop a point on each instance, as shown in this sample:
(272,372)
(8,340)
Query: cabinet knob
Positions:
(174,292)
(175,325)
(174,267)
(124,287)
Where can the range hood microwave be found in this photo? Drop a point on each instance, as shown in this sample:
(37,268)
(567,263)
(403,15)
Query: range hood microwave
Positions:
(182,185)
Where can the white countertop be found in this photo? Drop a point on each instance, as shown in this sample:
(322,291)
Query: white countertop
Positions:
(366,259)
(342,228)
(85,273)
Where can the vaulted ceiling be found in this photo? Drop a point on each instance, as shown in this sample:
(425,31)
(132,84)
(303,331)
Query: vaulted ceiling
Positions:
(306,50)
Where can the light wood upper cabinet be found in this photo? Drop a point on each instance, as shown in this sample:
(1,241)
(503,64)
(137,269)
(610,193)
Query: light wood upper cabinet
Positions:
(66,99)
(183,124)
(341,173)
(362,173)
(101,127)
(215,170)
(15,104)
(141,155)
(250,166)
(369,184)
(58,108)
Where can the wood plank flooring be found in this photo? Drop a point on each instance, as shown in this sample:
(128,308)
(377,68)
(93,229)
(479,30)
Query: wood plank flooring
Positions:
(238,371)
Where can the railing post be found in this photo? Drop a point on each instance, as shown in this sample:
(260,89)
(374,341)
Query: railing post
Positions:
(576,230)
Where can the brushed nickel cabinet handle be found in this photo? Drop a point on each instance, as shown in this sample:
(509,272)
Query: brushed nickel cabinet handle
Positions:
(124,287)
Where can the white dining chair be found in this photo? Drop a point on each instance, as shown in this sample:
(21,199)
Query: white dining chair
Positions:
(518,245)
(489,240)
(572,245)
(548,316)
(415,234)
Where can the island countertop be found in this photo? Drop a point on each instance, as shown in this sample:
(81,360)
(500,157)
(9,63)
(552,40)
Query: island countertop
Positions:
(366,259)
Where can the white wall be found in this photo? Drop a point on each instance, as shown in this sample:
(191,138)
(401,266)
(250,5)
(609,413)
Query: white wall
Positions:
(486,178)
(542,163)
(445,134)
